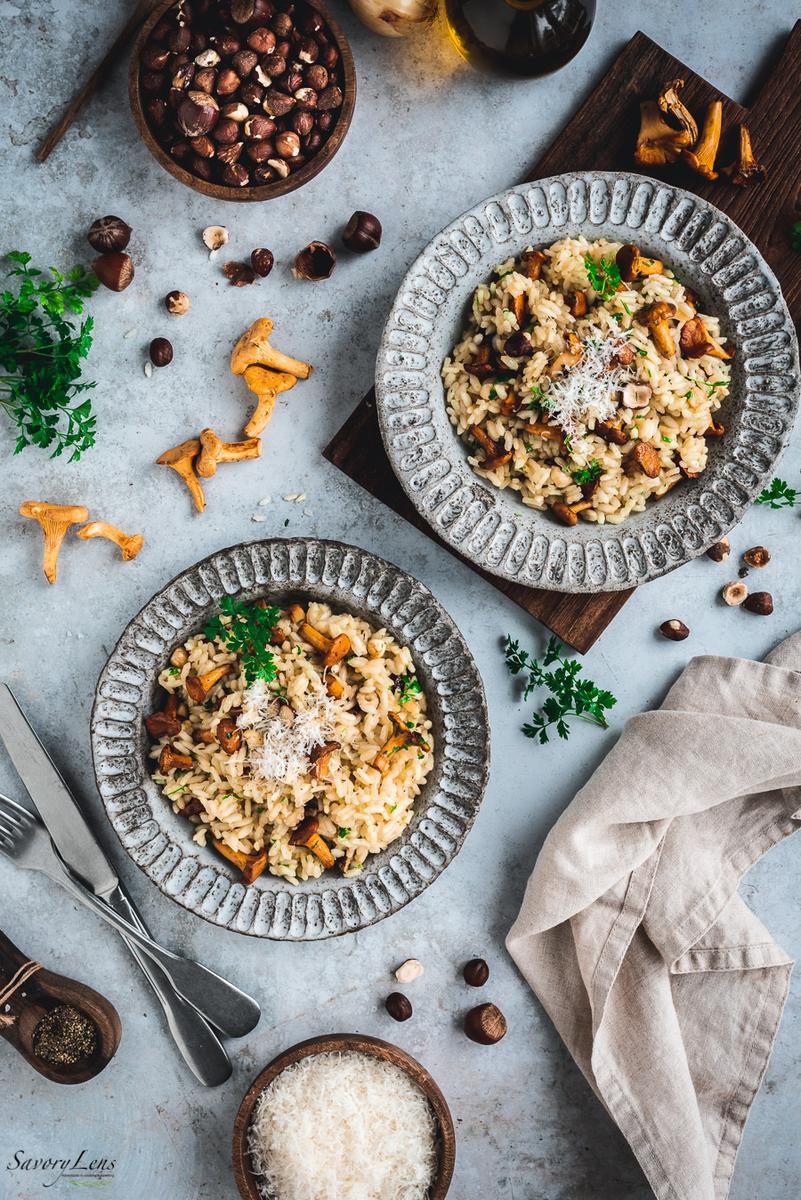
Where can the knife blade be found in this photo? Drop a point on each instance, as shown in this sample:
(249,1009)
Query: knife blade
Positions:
(65,822)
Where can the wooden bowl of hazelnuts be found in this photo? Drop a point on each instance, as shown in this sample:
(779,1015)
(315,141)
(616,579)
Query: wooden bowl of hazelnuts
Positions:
(242,99)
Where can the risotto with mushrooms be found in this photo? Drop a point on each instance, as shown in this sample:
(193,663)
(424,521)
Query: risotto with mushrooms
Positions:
(587,380)
(292,739)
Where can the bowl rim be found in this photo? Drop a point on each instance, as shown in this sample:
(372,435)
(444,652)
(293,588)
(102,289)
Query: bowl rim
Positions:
(245,1177)
(269,191)
(452,794)
(474,518)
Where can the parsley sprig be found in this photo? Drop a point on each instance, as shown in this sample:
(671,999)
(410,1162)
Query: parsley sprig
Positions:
(778,495)
(40,358)
(247,633)
(604,276)
(570,695)
(408,686)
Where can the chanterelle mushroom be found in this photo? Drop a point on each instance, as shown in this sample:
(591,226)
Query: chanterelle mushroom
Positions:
(655,317)
(213,450)
(658,142)
(182,460)
(568,357)
(494,456)
(695,342)
(703,154)
(254,349)
(129,543)
(265,385)
(670,104)
(745,169)
(632,264)
(55,520)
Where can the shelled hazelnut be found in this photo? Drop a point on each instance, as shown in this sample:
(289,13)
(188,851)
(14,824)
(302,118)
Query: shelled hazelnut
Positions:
(160,352)
(211,70)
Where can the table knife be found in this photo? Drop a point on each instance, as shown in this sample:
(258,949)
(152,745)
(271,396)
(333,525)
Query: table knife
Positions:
(198,1043)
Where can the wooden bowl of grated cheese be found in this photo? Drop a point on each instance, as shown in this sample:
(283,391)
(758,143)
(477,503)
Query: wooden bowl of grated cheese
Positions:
(344,1117)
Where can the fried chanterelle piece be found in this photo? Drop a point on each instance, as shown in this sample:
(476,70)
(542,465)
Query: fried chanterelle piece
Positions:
(267,372)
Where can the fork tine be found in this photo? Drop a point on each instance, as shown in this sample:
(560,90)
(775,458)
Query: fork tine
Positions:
(8,830)
(15,809)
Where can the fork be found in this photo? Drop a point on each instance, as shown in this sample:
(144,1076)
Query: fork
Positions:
(26,842)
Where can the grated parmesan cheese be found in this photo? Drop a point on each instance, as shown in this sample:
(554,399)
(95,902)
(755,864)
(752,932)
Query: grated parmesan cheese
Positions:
(288,734)
(343,1127)
(589,388)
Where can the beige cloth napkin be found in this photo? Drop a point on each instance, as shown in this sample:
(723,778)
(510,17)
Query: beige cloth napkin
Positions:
(665,987)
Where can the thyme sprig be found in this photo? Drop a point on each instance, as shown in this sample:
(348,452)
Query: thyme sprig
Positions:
(247,634)
(571,696)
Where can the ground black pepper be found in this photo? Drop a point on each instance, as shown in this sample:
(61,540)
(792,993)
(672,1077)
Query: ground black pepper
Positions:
(64,1036)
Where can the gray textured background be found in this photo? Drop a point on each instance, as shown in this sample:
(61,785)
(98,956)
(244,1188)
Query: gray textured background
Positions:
(429,138)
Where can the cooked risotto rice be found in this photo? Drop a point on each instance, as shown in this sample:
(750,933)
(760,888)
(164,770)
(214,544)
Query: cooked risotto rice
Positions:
(251,800)
(566,434)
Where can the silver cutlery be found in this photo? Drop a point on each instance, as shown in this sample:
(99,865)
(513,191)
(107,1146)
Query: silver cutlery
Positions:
(196,1040)
(26,841)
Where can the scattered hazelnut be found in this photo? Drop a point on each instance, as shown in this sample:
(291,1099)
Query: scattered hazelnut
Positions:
(315,262)
(362,233)
(757,556)
(177,303)
(262,261)
(760,603)
(239,274)
(485,1024)
(719,551)
(409,970)
(734,593)
(115,271)
(398,1006)
(674,630)
(476,972)
(107,234)
(160,352)
(214,236)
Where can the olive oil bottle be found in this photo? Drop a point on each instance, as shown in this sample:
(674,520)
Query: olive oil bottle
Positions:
(519,37)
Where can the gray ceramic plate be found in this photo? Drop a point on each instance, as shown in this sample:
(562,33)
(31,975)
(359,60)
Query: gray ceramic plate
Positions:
(492,528)
(160,841)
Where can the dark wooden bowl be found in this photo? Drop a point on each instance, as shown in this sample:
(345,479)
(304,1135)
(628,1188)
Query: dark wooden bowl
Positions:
(335,1043)
(267,191)
(44,991)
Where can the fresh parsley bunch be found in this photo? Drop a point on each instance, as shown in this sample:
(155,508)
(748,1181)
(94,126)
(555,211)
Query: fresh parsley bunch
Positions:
(40,358)
(778,495)
(570,696)
(604,276)
(247,634)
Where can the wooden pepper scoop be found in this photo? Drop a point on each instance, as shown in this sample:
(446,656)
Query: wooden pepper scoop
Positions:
(67,1031)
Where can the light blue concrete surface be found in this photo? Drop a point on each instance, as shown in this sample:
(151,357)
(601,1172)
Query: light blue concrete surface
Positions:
(429,138)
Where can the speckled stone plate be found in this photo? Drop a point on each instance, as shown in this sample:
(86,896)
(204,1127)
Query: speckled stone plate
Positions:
(492,528)
(160,842)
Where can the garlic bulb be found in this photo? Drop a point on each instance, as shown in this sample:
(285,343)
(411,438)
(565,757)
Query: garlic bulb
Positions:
(394,18)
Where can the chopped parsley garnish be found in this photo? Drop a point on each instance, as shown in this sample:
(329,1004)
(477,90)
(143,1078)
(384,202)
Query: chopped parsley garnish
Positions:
(604,276)
(795,236)
(408,686)
(717,383)
(528,447)
(493,393)
(570,696)
(174,671)
(343,832)
(779,494)
(642,353)
(247,634)
(588,474)
(666,439)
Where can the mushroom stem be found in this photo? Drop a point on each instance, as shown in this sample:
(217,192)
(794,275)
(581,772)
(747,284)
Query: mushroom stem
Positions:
(181,460)
(165,723)
(745,169)
(701,158)
(55,520)
(306,835)
(213,451)
(250,865)
(266,385)
(670,104)
(197,687)
(656,316)
(253,348)
(493,455)
(333,650)
(129,543)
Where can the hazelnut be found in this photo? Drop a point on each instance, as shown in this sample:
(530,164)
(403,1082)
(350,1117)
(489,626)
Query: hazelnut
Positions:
(156,111)
(485,1024)
(306,98)
(243,62)
(312,141)
(160,352)
(227,82)
(251,93)
(177,303)
(202,167)
(325,121)
(197,113)
(329,57)
(179,39)
(180,150)
(316,76)
(312,23)
(719,551)
(183,76)
(757,556)
(281,24)
(330,98)
(302,122)
(476,972)
(109,233)
(238,274)
(674,630)
(283,49)
(235,112)
(760,603)
(262,40)
(279,167)
(734,593)
(262,261)
(277,104)
(203,146)
(315,262)
(408,971)
(256,128)
(152,81)
(362,233)
(225,131)
(214,236)
(207,58)
(230,154)
(115,271)
(287,144)
(259,152)
(228,44)
(398,1006)
(205,80)
(273,64)
(155,57)
(308,50)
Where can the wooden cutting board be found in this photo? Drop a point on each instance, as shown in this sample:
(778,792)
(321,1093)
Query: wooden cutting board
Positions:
(601,136)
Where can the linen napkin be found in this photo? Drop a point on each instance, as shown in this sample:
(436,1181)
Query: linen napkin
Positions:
(665,987)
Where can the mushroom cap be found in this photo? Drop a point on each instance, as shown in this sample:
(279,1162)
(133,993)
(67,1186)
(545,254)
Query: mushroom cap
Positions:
(61,514)
(626,259)
(656,313)
(246,351)
(186,451)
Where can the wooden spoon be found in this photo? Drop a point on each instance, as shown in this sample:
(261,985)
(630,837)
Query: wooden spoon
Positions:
(41,993)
